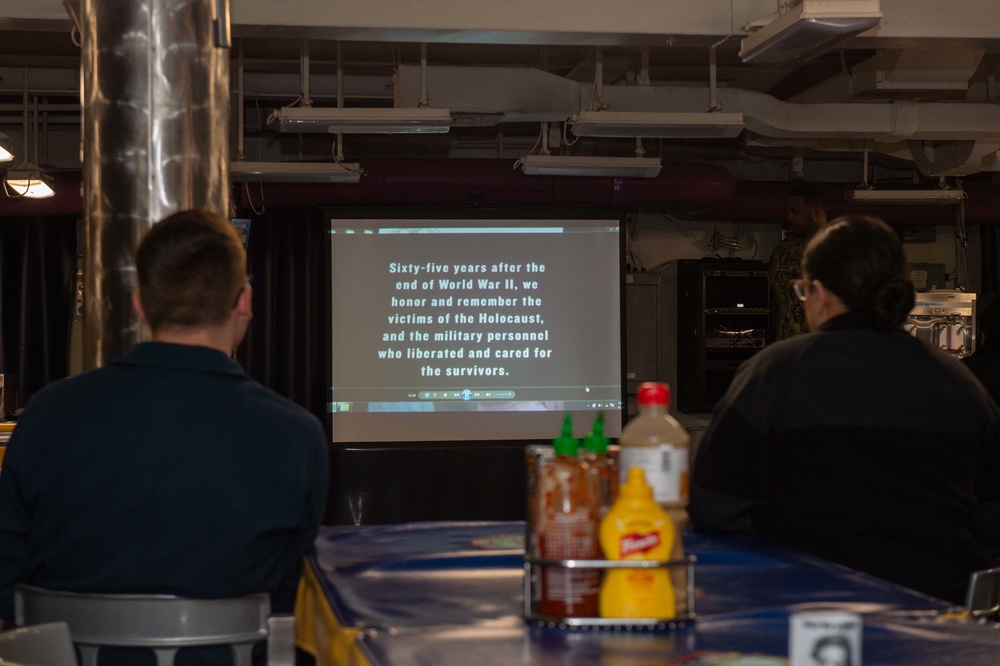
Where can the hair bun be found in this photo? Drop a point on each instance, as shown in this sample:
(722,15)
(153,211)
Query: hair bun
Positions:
(887,299)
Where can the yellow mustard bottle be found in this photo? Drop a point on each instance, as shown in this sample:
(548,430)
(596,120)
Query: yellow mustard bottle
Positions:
(637,528)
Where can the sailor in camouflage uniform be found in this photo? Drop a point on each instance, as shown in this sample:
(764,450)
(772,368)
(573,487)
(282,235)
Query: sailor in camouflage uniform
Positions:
(806,216)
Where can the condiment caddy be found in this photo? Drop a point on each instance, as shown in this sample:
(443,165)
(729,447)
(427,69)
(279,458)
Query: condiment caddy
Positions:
(594,561)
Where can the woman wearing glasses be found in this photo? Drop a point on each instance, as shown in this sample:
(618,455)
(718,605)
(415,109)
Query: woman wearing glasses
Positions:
(856,442)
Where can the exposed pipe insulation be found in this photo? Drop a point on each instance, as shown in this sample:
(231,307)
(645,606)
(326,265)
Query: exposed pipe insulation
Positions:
(526,94)
(939,121)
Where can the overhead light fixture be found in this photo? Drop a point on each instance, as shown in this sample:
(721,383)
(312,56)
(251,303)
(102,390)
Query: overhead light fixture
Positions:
(5,154)
(621,167)
(362,121)
(28,181)
(662,125)
(295,172)
(875,197)
(809,29)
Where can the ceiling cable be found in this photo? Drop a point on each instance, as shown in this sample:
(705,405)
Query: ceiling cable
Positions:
(306,101)
(597,101)
(340,75)
(424,100)
(240,155)
(713,100)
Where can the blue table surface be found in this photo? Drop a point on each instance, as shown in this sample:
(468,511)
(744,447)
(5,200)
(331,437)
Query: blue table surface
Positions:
(451,593)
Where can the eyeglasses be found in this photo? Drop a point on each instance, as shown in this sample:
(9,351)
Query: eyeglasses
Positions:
(799,287)
(246,284)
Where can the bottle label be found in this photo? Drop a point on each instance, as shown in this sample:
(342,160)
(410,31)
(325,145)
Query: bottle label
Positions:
(665,467)
(570,536)
(636,543)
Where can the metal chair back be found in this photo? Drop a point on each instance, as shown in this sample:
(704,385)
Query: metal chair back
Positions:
(163,623)
(983,596)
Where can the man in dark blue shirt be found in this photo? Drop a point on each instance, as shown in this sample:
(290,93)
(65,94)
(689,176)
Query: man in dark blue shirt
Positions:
(168,470)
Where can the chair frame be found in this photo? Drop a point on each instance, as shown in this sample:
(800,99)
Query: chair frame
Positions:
(983,595)
(163,623)
(48,643)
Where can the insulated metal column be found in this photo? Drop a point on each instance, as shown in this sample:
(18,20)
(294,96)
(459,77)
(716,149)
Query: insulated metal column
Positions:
(155,126)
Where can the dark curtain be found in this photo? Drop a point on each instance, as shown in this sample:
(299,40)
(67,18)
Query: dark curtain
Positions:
(286,347)
(37,271)
(990,241)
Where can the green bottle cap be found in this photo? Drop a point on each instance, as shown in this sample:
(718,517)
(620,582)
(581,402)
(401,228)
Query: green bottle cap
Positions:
(595,440)
(566,444)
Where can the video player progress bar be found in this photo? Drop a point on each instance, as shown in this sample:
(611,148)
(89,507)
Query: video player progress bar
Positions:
(467,394)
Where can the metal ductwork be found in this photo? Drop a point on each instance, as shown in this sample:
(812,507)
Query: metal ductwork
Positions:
(527,94)
(155,126)
(925,74)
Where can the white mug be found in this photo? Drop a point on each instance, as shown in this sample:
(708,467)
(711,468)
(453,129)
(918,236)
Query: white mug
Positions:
(824,639)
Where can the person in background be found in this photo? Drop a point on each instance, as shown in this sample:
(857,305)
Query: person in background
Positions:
(985,362)
(168,470)
(856,442)
(806,216)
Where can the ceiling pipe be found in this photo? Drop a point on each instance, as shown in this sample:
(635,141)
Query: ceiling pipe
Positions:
(705,191)
(464,182)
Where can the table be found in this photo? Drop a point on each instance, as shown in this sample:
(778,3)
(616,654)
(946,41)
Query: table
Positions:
(451,593)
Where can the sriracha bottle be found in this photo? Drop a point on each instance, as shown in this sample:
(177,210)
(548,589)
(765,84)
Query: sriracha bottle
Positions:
(602,468)
(565,524)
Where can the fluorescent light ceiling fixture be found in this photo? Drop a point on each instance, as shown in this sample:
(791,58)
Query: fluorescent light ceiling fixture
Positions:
(662,125)
(27,180)
(5,154)
(559,165)
(875,197)
(808,29)
(362,121)
(295,172)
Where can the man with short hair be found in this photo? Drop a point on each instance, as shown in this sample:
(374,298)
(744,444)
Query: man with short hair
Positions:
(805,216)
(168,470)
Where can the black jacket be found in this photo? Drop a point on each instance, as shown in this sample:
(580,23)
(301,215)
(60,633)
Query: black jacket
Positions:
(865,447)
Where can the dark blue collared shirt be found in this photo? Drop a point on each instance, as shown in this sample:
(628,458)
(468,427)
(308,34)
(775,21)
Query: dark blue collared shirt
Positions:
(169,470)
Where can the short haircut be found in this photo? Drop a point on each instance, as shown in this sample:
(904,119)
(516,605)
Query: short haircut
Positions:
(191,267)
(811,193)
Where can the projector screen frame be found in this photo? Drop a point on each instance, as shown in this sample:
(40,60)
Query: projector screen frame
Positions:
(334,215)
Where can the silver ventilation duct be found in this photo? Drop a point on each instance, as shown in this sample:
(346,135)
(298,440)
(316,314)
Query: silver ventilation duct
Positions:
(155,125)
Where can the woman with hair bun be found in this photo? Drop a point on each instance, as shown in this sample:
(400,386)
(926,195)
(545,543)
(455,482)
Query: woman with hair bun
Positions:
(856,442)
